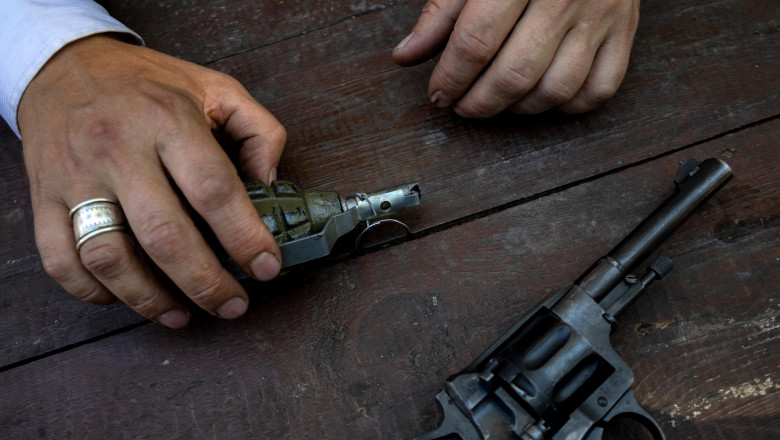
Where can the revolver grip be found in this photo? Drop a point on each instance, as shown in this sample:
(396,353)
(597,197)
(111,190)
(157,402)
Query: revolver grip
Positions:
(629,408)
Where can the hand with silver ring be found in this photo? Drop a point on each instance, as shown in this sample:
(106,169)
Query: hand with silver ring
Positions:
(118,138)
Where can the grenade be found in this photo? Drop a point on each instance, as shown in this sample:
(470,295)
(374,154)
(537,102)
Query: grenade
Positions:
(307,224)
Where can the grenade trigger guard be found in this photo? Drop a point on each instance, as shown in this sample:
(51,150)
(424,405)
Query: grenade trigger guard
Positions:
(319,244)
(373,225)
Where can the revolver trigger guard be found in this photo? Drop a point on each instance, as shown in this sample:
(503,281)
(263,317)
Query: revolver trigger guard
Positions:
(628,407)
(455,422)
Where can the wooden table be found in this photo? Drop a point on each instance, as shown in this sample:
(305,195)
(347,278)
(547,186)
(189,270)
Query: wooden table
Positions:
(513,208)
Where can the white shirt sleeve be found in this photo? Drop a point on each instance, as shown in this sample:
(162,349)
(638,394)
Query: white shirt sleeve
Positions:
(32,31)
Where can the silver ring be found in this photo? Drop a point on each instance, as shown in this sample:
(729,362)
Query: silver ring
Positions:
(96,216)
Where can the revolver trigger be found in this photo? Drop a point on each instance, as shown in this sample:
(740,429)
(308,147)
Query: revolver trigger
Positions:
(455,422)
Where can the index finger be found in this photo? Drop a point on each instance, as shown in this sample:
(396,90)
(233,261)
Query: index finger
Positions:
(429,35)
(211,185)
(521,62)
(230,106)
(479,32)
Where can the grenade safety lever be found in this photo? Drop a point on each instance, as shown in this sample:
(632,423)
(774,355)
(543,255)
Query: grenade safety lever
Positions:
(307,224)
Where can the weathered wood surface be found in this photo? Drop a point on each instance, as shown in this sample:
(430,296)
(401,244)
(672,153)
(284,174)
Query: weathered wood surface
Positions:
(513,207)
(360,349)
(699,70)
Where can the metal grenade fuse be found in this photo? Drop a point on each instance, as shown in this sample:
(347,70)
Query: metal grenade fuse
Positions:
(307,224)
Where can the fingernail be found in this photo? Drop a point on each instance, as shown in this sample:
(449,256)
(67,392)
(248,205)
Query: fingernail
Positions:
(265,266)
(175,318)
(272,175)
(459,111)
(232,308)
(403,42)
(440,100)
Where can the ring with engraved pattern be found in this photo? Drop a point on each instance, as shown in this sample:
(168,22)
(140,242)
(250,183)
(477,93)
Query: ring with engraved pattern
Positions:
(94,217)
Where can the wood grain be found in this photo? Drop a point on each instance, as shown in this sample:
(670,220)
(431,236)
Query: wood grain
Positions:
(357,122)
(513,207)
(359,349)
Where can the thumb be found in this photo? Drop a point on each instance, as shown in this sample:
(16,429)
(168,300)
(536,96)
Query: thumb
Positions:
(431,32)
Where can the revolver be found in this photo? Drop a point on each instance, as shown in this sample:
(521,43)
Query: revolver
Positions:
(554,374)
(307,224)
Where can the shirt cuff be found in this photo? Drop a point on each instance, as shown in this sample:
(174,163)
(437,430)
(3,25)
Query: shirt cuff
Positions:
(31,32)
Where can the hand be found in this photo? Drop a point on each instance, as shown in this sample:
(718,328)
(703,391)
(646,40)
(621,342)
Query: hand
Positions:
(106,119)
(525,55)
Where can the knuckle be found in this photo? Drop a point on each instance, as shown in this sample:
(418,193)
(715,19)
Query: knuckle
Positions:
(208,291)
(555,92)
(618,7)
(98,133)
(588,99)
(226,80)
(160,106)
(149,306)
(277,134)
(160,237)
(477,110)
(96,295)
(610,12)
(599,93)
(65,269)
(472,47)
(57,266)
(169,108)
(446,79)
(434,9)
(220,83)
(212,189)
(106,260)
(104,131)
(558,8)
(515,80)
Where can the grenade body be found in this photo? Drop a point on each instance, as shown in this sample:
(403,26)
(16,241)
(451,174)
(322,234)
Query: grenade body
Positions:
(291,213)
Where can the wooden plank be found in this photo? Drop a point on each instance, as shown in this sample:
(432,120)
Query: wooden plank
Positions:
(18,252)
(367,123)
(203,31)
(38,315)
(373,125)
(46,318)
(359,349)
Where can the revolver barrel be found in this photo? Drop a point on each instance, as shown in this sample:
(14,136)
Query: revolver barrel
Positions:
(696,182)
